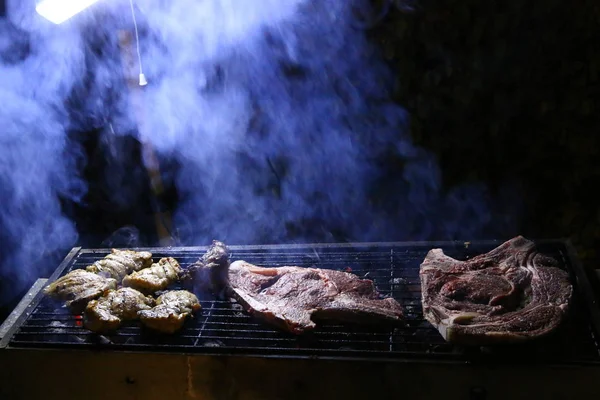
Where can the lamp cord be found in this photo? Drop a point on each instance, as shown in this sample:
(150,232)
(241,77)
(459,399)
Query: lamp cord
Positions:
(137,43)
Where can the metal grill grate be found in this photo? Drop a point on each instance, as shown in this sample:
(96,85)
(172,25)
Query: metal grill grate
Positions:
(223,327)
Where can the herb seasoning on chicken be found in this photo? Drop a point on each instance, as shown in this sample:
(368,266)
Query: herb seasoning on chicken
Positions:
(106,313)
(158,277)
(120,263)
(170,312)
(78,287)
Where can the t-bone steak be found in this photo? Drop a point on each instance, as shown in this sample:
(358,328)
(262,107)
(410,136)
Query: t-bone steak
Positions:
(296,298)
(510,294)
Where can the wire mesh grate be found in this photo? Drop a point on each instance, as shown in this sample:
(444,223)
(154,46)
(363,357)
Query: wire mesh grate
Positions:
(222,327)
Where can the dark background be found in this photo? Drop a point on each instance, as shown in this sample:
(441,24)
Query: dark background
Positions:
(511,84)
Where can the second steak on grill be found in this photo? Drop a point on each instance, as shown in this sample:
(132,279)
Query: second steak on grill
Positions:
(295,298)
(510,294)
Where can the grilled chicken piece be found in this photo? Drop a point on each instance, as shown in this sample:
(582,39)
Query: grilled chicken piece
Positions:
(210,273)
(78,287)
(170,312)
(158,277)
(120,263)
(107,313)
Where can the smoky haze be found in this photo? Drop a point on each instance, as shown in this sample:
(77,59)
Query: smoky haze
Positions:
(277,111)
(38,162)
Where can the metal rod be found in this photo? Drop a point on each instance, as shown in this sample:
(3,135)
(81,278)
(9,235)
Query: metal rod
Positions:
(162,218)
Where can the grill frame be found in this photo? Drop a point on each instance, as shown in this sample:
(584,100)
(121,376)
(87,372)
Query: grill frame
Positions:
(578,275)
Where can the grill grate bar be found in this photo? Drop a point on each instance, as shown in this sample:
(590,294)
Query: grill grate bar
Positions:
(212,305)
(223,328)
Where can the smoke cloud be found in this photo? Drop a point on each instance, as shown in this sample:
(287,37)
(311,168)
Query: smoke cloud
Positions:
(277,112)
(38,161)
(279,115)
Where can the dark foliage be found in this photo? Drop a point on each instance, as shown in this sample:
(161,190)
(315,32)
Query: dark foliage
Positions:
(508,91)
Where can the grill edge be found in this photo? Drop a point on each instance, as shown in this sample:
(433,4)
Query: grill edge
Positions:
(223,330)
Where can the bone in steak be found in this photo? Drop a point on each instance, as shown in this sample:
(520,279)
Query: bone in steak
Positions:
(295,298)
(510,294)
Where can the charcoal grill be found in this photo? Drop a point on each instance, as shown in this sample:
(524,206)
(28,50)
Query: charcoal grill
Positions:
(224,353)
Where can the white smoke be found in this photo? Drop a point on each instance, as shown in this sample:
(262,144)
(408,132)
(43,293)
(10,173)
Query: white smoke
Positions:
(36,156)
(277,112)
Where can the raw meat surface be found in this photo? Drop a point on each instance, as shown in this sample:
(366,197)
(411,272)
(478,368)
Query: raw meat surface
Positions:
(296,298)
(510,294)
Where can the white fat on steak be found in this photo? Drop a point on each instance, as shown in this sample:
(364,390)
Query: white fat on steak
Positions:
(510,294)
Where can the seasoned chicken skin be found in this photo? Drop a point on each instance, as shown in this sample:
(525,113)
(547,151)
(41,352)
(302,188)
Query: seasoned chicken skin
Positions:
(170,312)
(106,313)
(120,263)
(78,287)
(158,277)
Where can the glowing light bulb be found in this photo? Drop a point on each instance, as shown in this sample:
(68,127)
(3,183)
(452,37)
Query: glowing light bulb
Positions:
(58,11)
(143,81)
